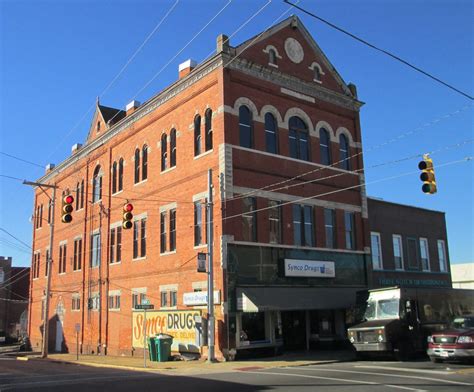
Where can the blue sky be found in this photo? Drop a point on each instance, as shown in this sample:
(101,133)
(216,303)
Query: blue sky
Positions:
(56,57)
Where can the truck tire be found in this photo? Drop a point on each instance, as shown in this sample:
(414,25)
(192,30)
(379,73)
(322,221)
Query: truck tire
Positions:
(404,352)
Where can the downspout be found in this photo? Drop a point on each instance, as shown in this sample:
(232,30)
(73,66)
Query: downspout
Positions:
(109,208)
(84,253)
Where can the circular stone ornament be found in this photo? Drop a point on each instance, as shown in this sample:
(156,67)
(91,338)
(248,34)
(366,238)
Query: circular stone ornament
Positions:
(294,50)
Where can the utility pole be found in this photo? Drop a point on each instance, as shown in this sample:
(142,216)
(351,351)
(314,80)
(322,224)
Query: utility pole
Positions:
(44,350)
(210,281)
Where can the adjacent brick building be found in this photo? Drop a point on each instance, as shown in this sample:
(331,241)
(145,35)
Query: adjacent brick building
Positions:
(409,246)
(280,130)
(14,282)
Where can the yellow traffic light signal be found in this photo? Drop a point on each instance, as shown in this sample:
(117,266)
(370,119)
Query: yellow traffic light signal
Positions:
(427,175)
(127,216)
(67,209)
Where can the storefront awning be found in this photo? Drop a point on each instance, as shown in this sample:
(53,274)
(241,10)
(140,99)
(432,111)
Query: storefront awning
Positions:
(258,299)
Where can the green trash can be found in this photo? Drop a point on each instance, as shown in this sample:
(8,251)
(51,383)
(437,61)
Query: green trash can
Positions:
(152,348)
(163,347)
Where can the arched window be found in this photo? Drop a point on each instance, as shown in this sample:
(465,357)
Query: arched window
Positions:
(299,139)
(164,152)
(208,129)
(325,146)
(271,137)
(245,127)
(114,177)
(197,135)
(173,148)
(317,74)
(120,175)
(97,185)
(272,57)
(344,152)
(137,166)
(82,194)
(144,162)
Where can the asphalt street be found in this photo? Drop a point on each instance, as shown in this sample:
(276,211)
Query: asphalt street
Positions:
(354,376)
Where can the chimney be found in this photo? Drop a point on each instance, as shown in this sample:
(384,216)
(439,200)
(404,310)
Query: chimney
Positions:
(222,43)
(76,148)
(131,107)
(353,89)
(186,68)
(49,167)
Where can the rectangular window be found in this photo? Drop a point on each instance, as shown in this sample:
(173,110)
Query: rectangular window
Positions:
(376,249)
(274,217)
(114,301)
(76,302)
(329,225)
(135,240)
(172,230)
(249,219)
(163,232)
(349,230)
(397,251)
(46,267)
(143,238)
(139,238)
(36,264)
(173,298)
(95,250)
(116,245)
(199,210)
(77,259)
(94,301)
(138,296)
(443,262)
(413,254)
(164,299)
(303,225)
(62,258)
(425,255)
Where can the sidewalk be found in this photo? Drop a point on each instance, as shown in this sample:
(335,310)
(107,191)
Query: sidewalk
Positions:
(201,366)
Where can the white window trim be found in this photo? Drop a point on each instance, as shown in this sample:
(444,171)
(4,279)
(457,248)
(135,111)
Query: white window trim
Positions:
(427,254)
(445,266)
(399,236)
(377,234)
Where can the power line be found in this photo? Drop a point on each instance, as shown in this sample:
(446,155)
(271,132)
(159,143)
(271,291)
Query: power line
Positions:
(399,59)
(11,235)
(118,75)
(377,146)
(466,159)
(21,159)
(11,178)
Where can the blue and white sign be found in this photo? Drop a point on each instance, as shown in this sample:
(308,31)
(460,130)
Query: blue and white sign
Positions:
(309,268)
(200,298)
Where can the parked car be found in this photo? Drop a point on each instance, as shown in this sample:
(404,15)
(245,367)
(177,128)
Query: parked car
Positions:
(457,342)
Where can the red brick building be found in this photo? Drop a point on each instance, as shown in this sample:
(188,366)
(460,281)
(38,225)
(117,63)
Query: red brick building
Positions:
(280,130)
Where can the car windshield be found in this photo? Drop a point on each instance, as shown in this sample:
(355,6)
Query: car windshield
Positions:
(382,309)
(463,322)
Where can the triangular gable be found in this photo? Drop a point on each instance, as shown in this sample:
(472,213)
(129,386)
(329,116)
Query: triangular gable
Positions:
(293,22)
(104,117)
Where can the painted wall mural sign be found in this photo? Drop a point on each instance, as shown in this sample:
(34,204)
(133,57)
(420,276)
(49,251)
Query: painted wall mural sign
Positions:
(309,268)
(178,323)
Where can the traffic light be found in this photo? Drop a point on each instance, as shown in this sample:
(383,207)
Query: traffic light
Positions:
(127,216)
(67,208)
(427,175)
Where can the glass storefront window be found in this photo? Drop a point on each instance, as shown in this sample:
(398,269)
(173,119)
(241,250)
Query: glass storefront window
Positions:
(253,327)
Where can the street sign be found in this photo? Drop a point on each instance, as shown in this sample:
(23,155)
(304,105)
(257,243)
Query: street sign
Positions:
(78,327)
(144,307)
(201,259)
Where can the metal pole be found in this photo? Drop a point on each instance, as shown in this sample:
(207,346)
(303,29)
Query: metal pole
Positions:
(44,352)
(210,282)
(77,345)
(144,340)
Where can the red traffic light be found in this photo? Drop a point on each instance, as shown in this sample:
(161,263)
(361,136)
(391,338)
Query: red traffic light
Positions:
(128,207)
(69,199)
(127,216)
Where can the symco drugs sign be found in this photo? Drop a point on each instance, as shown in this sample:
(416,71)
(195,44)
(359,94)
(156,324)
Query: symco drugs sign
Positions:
(309,268)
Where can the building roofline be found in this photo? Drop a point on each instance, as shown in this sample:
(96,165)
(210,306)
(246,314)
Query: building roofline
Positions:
(403,205)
